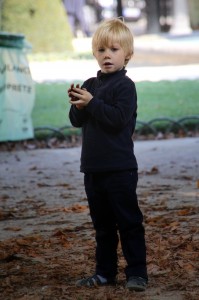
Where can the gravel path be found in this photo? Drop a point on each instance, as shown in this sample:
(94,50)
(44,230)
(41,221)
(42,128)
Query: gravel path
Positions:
(50,179)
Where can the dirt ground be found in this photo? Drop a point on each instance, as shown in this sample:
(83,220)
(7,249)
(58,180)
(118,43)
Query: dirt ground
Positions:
(47,239)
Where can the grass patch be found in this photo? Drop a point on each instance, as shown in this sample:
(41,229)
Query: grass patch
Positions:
(173,99)
(51,105)
(155,99)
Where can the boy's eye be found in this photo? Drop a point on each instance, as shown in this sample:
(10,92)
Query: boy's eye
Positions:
(113,49)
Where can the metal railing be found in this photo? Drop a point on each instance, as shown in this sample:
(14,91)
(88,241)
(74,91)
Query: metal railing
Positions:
(153,127)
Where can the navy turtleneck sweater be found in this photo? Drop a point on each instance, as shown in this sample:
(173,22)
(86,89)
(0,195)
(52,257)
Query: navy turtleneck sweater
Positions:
(107,122)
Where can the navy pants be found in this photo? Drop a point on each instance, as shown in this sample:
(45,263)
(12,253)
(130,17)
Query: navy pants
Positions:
(114,209)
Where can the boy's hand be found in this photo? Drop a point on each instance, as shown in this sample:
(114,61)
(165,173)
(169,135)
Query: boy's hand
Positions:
(71,89)
(79,97)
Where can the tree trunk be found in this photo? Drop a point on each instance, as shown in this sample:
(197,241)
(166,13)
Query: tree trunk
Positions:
(181,23)
(153,14)
(119,8)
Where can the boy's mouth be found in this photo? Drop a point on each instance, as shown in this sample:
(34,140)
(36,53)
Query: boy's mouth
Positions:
(108,64)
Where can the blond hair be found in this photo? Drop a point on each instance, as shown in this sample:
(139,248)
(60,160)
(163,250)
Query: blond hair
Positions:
(114,30)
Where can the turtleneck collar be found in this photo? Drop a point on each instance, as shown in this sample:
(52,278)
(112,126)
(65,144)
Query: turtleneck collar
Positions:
(102,76)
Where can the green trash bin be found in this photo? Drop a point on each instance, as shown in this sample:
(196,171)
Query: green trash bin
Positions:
(17,93)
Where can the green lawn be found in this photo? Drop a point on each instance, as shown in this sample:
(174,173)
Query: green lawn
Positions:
(167,98)
(155,99)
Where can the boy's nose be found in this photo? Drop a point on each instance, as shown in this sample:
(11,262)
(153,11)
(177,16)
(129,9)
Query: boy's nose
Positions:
(107,54)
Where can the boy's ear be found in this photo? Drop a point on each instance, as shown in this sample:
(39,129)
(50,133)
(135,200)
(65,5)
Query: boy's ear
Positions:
(128,56)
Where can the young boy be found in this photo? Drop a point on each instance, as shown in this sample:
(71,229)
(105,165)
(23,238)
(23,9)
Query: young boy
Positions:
(106,109)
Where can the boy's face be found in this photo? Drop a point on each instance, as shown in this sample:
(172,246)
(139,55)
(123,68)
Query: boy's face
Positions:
(110,58)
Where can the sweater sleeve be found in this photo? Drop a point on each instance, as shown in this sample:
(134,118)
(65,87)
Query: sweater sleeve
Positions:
(77,117)
(117,114)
